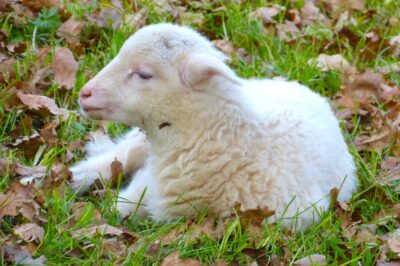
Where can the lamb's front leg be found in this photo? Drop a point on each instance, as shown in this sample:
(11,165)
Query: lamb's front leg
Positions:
(134,199)
(131,151)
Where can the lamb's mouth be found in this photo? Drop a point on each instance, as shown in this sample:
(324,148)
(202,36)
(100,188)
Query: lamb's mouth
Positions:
(94,112)
(92,109)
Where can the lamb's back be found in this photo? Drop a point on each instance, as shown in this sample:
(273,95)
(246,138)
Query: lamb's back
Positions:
(304,134)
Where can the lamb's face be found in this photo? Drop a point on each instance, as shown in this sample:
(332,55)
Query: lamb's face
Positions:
(157,61)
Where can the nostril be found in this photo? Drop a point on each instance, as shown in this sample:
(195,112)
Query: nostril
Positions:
(85,93)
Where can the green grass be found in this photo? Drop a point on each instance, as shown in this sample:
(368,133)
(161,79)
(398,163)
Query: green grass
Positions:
(270,57)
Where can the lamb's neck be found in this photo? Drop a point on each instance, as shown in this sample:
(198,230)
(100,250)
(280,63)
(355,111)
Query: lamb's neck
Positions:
(212,118)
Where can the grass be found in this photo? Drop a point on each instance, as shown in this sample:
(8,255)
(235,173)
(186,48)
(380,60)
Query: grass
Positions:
(270,57)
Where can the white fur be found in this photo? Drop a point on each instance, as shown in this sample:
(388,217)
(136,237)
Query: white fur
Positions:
(260,143)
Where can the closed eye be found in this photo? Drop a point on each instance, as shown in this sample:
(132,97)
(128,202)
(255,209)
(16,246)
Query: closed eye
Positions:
(144,75)
(140,74)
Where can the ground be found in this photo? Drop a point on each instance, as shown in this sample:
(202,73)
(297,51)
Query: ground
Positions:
(345,50)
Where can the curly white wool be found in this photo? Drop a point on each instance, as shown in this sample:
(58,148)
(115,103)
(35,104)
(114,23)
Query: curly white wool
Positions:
(213,139)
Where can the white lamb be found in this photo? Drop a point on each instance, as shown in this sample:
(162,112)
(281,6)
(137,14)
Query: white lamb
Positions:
(212,139)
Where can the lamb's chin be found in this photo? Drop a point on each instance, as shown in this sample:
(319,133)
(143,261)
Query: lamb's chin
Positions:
(96,114)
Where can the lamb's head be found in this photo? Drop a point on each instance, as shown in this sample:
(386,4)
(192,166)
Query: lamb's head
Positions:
(154,64)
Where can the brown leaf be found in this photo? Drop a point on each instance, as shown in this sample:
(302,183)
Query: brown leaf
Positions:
(7,69)
(78,209)
(104,229)
(267,14)
(394,245)
(117,173)
(363,88)
(344,21)
(315,259)
(23,257)
(333,62)
(389,176)
(395,44)
(382,133)
(37,5)
(106,16)
(258,254)
(138,19)
(40,80)
(65,67)
(310,14)
(34,171)
(255,216)
(49,133)
(42,103)
(337,7)
(174,260)
(390,263)
(19,199)
(224,46)
(28,144)
(288,31)
(115,247)
(70,30)
(390,163)
(29,232)
(6,166)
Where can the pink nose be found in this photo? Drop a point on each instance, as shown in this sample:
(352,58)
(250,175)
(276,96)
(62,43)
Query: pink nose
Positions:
(85,93)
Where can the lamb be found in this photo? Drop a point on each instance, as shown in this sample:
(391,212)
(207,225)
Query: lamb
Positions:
(203,137)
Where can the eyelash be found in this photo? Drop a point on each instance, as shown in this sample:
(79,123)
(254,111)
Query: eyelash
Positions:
(142,75)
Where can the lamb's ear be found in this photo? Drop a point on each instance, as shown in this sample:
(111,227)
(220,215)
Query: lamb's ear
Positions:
(199,68)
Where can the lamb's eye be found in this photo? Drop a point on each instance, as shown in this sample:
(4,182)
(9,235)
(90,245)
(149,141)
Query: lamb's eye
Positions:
(144,75)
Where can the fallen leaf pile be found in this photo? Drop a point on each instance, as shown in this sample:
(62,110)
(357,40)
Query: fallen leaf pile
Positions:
(41,73)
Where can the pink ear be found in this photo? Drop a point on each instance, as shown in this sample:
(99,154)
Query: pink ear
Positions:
(199,68)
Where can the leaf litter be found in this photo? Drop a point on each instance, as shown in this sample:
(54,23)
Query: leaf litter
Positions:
(372,97)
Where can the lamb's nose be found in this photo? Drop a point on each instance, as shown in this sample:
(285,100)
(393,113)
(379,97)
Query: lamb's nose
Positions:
(85,93)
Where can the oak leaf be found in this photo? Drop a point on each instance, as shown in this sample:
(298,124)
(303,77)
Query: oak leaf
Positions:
(64,67)
(30,232)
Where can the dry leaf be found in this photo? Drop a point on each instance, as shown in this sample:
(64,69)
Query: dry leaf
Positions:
(28,144)
(254,216)
(65,67)
(315,259)
(42,104)
(258,254)
(267,14)
(138,19)
(395,44)
(34,171)
(19,199)
(333,62)
(70,30)
(104,229)
(115,247)
(23,257)
(337,7)
(224,46)
(288,31)
(49,133)
(382,133)
(40,80)
(105,17)
(394,245)
(310,14)
(117,173)
(79,208)
(174,260)
(37,5)
(30,232)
